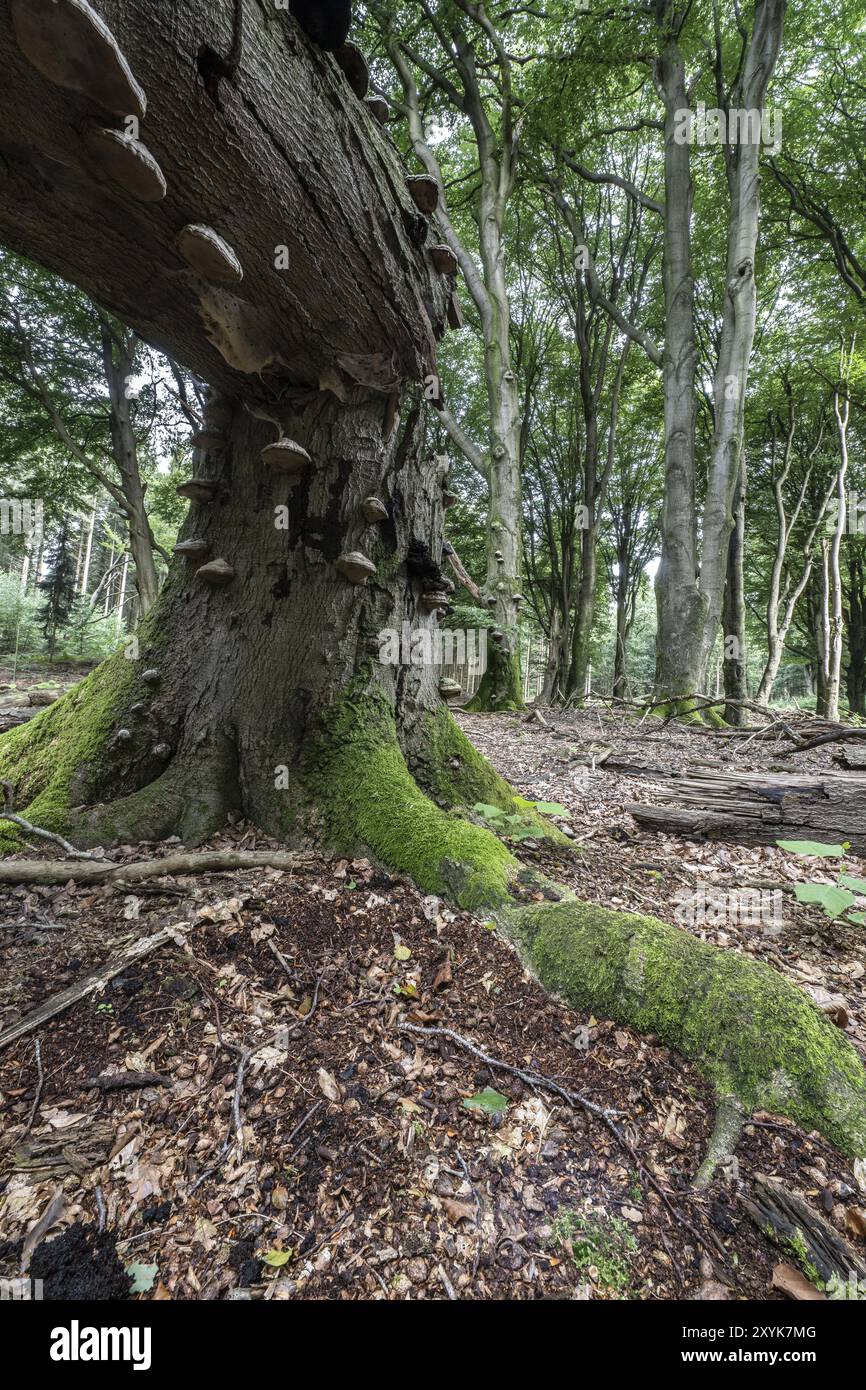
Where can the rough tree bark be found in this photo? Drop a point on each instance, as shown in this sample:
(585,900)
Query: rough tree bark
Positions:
(262,696)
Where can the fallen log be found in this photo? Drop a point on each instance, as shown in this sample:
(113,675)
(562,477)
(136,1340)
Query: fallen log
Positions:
(759,809)
(798,1229)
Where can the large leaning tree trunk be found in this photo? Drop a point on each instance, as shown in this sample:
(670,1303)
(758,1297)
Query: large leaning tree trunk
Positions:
(261,694)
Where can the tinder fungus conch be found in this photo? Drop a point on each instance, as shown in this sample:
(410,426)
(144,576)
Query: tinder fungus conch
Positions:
(127,162)
(209,255)
(192,549)
(285,456)
(424,192)
(218,572)
(373,509)
(444,260)
(67,42)
(197,490)
(355,566)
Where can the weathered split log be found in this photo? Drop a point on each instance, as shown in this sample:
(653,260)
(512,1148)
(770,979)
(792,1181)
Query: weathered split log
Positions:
(757,809)
(792,1224)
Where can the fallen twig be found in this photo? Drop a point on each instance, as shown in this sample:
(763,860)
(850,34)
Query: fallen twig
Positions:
(37,1049)
(8,813)
(102,871)
(125,1081)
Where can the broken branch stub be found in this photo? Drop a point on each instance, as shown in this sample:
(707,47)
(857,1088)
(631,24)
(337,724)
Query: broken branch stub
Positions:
(455,313)
(285,456)
(355,566)
(126,162)
(70,45)
(209,254)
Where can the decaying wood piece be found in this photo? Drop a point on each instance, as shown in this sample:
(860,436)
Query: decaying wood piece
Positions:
(58,1003)
(174,866)
(792,1224)
(758,809)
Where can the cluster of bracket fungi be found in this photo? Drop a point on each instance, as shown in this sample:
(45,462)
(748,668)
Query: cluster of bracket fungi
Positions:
(71,46)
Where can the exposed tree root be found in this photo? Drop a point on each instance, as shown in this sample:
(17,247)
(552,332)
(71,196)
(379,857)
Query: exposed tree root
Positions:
(730,1118)
(752,1033)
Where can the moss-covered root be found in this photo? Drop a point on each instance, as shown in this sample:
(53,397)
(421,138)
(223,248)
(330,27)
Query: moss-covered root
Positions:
(355,773)
(501,685)
(753,1033)
(455,774)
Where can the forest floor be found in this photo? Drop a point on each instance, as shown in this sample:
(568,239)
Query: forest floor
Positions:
(359,1170)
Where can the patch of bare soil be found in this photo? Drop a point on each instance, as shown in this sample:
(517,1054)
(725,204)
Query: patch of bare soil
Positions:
(283,1138)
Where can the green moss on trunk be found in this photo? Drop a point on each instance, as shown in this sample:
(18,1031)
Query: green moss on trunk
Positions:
(752,1032)
(44,758)
(501,687)
(357,776)
(453,771)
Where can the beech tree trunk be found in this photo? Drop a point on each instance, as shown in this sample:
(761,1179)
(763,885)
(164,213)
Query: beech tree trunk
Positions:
(331,332)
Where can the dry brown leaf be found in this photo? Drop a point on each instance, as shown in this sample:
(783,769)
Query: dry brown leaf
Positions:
(794,1284)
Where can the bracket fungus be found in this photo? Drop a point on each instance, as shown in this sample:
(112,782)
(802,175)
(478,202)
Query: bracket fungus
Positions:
(70,45)
(355,566)
(218,572)
(373,509)
(435,601)
(285,456)
(151,677)
(450,689)
(197,490)
(127,162)
(444,259)
(354,65)
(490,601)
(194,549)
(209,255)
(455,313)
(424,193)
(499,557)
(379,109)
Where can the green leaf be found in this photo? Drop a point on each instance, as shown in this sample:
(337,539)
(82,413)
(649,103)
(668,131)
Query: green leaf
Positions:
(402,952)
(277,1258)
(143,1277)
(489,1100)
(858,917)
(813,847)
(833,900)
(483,808)
(552,808)
(858,885)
